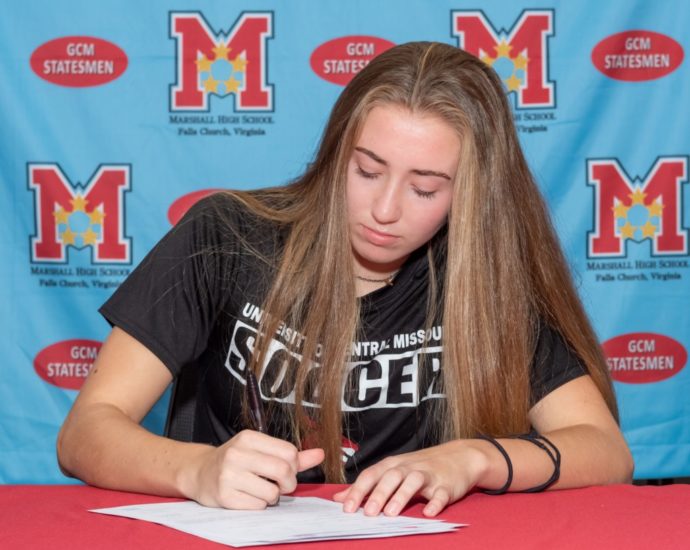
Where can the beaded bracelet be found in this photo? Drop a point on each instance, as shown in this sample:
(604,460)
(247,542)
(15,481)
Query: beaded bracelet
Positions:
(509,480)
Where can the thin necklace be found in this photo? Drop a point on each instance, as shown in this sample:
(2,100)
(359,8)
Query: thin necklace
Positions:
(388,280)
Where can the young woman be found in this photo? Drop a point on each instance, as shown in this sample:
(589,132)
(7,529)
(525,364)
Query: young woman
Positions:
(404,305)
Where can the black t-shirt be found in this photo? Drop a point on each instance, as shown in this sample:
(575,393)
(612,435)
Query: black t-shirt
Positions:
(196,299)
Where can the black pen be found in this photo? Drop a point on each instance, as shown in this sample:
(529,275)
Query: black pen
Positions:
(256,412)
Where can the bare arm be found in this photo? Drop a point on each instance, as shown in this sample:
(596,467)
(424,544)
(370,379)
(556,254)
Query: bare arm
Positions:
(102,443)
(574,417)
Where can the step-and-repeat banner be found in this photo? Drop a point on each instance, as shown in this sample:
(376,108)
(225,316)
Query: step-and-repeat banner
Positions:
(117,115)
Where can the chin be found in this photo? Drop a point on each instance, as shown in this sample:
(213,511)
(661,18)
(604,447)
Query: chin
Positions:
(383,260)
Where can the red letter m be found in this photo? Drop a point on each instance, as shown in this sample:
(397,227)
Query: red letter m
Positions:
(524,47)
(241,58)
(67,217)
(651,209)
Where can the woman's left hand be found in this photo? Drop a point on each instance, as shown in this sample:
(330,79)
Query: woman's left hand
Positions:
(441,474)
(574,417)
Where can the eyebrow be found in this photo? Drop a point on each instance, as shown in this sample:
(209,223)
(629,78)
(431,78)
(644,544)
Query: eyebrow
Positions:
(418,171)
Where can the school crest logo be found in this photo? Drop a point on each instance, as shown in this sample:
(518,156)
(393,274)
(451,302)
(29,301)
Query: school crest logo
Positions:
(231,63)
(79,216)
(628,210)
(519,55)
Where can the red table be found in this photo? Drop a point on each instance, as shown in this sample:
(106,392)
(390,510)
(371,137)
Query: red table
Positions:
(620,516)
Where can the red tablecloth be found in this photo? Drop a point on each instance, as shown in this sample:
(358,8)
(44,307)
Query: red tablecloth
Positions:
(621,516)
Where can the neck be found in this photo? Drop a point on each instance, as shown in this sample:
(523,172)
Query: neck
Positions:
(387,280)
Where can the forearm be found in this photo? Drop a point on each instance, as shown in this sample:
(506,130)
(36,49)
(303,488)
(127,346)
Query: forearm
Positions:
(589,456)
(102,446)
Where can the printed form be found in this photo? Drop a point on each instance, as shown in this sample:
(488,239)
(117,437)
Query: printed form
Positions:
(294,519)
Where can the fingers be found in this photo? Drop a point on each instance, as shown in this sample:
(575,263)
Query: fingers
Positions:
(340,495)
(268,467)
(386,486)
(257,443)
(410,486)
(353,496)
(389,488)
(266,444)
(248,492)
(309,458)
(391,484)
(438,501)
(237,500)
(252,470)
(394,491)
(256,469)
(270,458)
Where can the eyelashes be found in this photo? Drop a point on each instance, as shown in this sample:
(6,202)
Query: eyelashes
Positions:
(372,176)
(367,175)
(425,194)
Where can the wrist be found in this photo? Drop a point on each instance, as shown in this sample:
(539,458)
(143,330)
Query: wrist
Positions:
(474,458)
(497,475)
(190,468)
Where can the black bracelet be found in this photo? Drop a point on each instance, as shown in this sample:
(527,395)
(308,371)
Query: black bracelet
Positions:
(509,481)
(553,453)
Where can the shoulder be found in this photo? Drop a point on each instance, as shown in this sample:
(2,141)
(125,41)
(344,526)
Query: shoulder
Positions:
(217,209)
(552,347)
(224,217)
(554,363)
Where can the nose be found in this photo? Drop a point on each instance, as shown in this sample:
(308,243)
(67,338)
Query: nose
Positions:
(387,205)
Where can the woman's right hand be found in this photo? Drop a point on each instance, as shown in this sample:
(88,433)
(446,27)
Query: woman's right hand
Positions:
(103,444)
(248,472)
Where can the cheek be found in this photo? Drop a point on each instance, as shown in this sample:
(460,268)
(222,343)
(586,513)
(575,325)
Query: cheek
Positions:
(350,201)
(432,221)
(356,199)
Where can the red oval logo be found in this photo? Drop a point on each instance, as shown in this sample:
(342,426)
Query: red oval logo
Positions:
(66,364)
(340,59)
(185,202)
(78,61)
(637,55)
(643,357)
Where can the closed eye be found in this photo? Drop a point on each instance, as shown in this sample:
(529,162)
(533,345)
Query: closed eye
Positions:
(424,194)
(364,174)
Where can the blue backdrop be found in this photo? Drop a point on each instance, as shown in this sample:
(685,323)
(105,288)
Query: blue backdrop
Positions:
(117,115)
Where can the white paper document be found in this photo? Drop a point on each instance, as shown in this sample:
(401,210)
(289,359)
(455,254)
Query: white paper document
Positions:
(294,519)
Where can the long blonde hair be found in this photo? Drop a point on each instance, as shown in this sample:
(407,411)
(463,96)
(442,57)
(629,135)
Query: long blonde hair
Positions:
(504,269)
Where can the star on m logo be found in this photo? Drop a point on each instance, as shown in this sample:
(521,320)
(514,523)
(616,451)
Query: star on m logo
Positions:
(519,55)
(223,64)
(79,216)
(627,210)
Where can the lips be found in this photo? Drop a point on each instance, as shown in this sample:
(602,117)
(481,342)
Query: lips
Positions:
(378,238)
